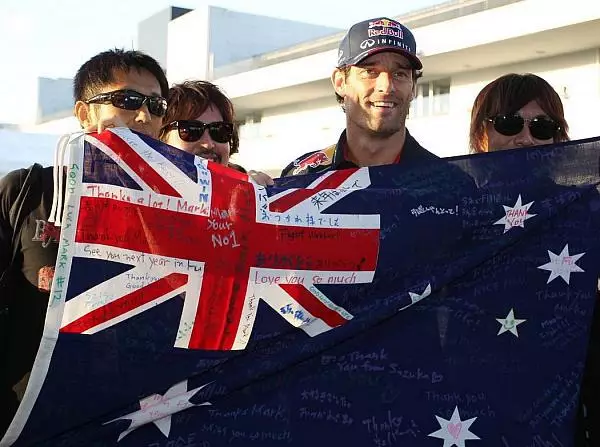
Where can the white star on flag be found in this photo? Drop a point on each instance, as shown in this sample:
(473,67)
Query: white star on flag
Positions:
(509,324)
(562,265)
(454,432)
(414,297)
(158,409)
(516,215)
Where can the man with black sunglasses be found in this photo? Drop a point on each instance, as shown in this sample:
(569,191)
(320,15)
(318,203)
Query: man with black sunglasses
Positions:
(133,97)
(115,88)
(374,82)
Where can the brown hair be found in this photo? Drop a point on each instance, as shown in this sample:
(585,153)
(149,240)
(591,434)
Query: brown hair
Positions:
(190,99)
(508,94)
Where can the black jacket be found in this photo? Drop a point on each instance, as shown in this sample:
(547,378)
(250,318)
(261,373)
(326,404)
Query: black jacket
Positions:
(332,157)
(28,251)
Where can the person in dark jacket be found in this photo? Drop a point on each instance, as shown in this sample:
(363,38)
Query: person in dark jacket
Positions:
(113,89)
(374,81)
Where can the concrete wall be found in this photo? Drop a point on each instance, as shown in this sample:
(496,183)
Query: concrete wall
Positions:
(235,36)
(55,98)
(210,37)
(152,35)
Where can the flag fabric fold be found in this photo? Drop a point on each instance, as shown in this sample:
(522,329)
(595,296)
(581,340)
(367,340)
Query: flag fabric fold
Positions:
(440,304)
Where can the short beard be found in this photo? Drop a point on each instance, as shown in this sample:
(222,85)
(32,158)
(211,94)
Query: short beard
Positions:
(384,134)
(381,134)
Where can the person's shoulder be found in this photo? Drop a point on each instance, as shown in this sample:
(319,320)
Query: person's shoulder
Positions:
(237,167)
(428,154)
(14,179)
(12,183)
(416,151)
(311,162)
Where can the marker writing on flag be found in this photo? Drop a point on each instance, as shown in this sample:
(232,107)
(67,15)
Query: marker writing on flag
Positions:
(261,435)
(433,210)
(64,252)
(557,402)
(390,430)
(562,296)
(326,415)
(325,397)
(57,290)
(560,334)
(72,179)
(149,199)
(320,199)
(456,398)
(182,441)
(221,226)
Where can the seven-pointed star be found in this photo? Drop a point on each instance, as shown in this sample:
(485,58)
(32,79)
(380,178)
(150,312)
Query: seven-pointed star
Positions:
(515,216)
(158,409)
(509,324)
(414,297)
(454,432)
(562,265)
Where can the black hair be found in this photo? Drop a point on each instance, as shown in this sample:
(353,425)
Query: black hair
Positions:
(103,67)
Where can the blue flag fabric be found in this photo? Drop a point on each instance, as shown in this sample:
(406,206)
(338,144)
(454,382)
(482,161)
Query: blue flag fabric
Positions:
(440,304)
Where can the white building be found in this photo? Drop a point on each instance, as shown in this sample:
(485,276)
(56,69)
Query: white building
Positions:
(289,105)
(20,150)
(188,44)
(45,100)
(210,38)
(277,72)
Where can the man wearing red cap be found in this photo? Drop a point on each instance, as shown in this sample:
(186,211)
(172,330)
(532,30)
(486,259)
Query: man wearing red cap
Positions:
(375,81)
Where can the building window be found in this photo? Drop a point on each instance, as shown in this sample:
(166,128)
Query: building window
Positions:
(433,98)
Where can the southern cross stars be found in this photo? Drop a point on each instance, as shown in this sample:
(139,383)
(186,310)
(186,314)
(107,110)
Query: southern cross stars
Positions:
(414,297)
(158,409)
(562,265)
(454,432)
(509,324)
(516,215)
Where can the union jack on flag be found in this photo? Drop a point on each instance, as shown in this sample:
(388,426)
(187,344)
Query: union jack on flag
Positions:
(440,304)
(218,241)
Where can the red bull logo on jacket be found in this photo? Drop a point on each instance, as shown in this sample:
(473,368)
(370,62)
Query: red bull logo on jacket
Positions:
(312,161)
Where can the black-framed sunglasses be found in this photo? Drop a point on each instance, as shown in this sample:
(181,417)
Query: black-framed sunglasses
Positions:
(192,130)
(131,100)
(541,127)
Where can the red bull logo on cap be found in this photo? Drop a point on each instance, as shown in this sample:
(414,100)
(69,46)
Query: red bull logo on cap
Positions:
(384,23)
(389,28)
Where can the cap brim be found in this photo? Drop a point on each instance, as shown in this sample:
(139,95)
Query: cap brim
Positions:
(414,60)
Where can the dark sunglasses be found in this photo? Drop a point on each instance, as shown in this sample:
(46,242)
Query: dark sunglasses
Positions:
(541,127)
(192,130)
(131,100)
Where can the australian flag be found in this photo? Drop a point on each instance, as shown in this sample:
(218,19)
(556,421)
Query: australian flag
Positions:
(440,304)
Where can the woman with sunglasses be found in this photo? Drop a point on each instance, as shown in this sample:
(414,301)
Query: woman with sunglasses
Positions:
(516,111)
(200,120)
